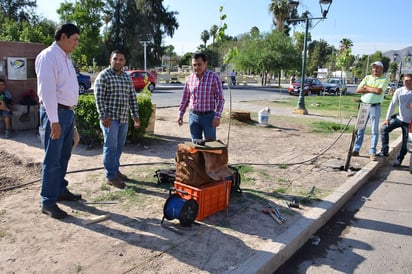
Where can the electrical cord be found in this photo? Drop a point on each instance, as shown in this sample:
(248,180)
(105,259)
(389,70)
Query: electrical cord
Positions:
(305,161)
(228,135)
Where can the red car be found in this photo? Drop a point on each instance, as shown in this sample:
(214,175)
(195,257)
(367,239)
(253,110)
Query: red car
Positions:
(312,86)
(141,78)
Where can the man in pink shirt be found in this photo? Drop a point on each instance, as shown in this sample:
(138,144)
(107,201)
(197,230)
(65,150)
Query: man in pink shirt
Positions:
(58,92)
(203,93)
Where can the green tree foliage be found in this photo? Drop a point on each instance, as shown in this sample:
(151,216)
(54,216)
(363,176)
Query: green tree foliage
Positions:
(205,36)
(281,14)
(41,32)
(18,22)
(362,65)
(86,14)
(299,38)
(213,32)
(393,69)
(16,10)
(318,51)
(343,60)
(87,119)
(345,44)
(186,59)
(263,53)
(133,21)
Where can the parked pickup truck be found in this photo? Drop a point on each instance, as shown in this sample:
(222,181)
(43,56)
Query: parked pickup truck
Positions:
(335,86)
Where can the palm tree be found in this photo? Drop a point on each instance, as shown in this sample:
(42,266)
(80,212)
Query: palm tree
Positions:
(205,37)
(345,44)
(281,14)
(213,32)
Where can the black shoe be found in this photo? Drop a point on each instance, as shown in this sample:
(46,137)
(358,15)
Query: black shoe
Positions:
(54,212)
(68,196)
(383,154)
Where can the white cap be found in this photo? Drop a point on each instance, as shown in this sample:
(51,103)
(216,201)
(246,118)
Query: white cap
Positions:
(377,63)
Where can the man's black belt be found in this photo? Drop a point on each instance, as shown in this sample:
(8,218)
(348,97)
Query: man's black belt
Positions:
(373,105)
(64,107)
(202,112)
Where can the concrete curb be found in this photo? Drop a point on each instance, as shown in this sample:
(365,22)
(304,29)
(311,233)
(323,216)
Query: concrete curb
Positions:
(275,253)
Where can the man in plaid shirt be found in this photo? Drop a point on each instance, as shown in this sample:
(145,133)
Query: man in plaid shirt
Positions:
(115,97)
(203,93)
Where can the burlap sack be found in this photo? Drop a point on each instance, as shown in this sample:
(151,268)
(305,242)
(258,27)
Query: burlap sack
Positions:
(216,164)
(194,167)
(190,167)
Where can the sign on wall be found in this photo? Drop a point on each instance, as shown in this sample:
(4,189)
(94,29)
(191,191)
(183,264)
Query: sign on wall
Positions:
(17,68)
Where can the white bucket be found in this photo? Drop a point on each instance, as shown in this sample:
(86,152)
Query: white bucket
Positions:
(263,116)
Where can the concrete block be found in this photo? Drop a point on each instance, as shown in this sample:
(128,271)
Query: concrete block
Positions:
(22,120)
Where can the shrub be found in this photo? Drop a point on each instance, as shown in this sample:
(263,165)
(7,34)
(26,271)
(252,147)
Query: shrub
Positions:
(87,119)
(144,101)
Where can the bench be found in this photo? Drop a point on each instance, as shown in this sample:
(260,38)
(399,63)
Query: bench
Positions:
(22,120)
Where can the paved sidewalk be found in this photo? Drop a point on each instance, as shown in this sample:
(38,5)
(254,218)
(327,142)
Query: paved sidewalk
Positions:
(286,244)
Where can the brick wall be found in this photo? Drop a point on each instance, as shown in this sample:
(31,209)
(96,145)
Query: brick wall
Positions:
(20,119)
(20,49)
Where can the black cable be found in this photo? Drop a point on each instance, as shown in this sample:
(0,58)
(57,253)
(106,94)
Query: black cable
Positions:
(302,162)
(84,170)
(170,163)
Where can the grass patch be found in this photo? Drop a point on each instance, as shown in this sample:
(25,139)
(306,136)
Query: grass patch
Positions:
(243,170)
(282,166)
(330,127)
(331,105)
(282,190)
(3,233)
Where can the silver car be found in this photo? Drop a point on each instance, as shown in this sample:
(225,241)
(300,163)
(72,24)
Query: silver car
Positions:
(335,86)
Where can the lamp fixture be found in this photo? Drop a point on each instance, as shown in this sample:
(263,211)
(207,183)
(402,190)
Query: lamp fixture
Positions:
(324,7)
(326,4)
(293,4)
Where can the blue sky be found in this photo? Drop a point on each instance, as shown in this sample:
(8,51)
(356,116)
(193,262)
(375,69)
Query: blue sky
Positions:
(371,25)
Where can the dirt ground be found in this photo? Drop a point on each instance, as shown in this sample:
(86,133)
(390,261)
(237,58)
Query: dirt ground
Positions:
(286,161)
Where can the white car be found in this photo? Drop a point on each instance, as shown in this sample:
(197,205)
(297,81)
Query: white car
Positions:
(335,86)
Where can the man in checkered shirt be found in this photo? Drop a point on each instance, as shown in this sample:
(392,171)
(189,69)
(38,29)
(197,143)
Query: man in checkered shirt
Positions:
(115,97)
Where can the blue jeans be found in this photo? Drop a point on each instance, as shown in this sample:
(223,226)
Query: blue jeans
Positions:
(4,113)
(395,123)
(57,156)
(202,124)
(374,116)
(114,140)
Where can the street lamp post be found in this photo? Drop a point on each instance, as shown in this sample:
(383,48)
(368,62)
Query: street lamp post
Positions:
(395,58)
(300,108)
(144,46)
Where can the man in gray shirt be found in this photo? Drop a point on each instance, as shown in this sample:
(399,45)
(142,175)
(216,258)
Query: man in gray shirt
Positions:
(403,98)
